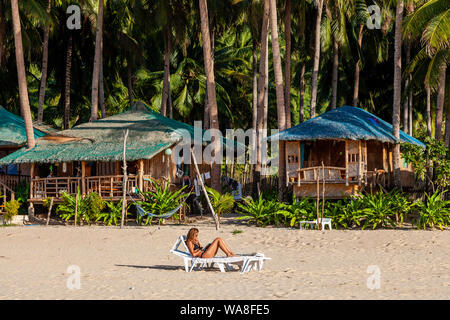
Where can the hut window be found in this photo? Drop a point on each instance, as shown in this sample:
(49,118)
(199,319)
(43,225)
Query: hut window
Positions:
(353,157)
(292,158)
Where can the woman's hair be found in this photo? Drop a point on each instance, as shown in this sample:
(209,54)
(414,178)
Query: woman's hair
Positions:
(191,233)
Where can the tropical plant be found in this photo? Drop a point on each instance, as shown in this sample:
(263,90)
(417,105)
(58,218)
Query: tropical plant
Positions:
(433,211)
(263,212)
(160,200)
(301,209)
(114,214)
(22,191)
(11,210)
(221,202)
(88,209)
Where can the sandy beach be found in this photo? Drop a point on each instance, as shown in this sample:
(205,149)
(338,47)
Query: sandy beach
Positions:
(135,263)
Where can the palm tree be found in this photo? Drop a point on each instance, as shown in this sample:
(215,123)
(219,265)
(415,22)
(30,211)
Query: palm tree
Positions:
(397,91)
(97,61)
(66,122)
(287,66)
(430,23)
(211,88)
(20,62)
(316,60)
(281,108)
(44,68)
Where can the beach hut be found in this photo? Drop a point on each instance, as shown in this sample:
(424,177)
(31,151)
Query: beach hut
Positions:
(346,148)
(89,156)
(12,138)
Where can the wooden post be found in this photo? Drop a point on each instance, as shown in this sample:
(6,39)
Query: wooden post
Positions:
(83,178)
(141,174)
(299,163)
(76,208)
(125,179)
(31,181)
(323,194)
(318,195)
(286,163)
(199,177)
(365,162)
(49,211)
(359,163)
(346,163)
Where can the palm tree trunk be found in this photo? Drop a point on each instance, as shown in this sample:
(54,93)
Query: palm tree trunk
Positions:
(440,104)
(97,59)
(406,102)
(428,90)
(334,81)
(287,66)
(254,85)
(447,129)
(357,69)
(130,80)
(316,60)
(266,84)
(410,116)
(302,94)
(101,86)
(447,109)
(397,92)
(44,69)
(261,92)
(166,81)
(170,102)
(67,83)
(281,110)
(212,101)
(20,62)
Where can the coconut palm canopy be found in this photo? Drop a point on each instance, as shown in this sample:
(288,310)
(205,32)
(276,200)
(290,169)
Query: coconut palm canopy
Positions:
(345,123)
(102,140)
(12,129)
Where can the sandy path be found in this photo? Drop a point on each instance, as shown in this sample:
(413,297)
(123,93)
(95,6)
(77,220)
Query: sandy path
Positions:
(135,263)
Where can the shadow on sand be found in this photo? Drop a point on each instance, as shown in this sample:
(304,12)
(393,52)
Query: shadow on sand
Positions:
(163,267)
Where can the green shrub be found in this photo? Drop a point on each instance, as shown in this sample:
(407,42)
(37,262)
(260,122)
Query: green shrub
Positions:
(432,212)
(11,210)
(263,212)
(114,214)
(160,201)
(89,207)
(221,202)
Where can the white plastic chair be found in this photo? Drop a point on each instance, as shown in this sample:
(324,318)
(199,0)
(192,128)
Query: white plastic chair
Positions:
(325,222)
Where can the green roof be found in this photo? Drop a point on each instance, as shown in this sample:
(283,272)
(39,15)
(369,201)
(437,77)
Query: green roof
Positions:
(345,122)
(102,140)
(12,129)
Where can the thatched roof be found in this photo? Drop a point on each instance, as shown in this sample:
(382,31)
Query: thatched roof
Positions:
(345,123)
(12,129)
(102,140)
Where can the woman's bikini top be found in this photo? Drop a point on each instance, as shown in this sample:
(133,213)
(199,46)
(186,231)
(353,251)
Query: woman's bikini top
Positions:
(196,247)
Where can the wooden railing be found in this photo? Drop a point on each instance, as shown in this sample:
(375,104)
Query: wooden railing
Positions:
(13,181)
(312,174)
(105,186)
(5,191)
(110,186)
(43,188)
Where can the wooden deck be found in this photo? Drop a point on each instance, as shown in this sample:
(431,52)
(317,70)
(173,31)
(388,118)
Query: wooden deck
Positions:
(339,182)
(107,187)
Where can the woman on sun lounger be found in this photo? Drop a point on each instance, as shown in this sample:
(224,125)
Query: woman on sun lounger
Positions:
(210,250)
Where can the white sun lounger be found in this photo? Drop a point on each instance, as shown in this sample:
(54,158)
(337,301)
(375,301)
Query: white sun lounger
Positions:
(245,262)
